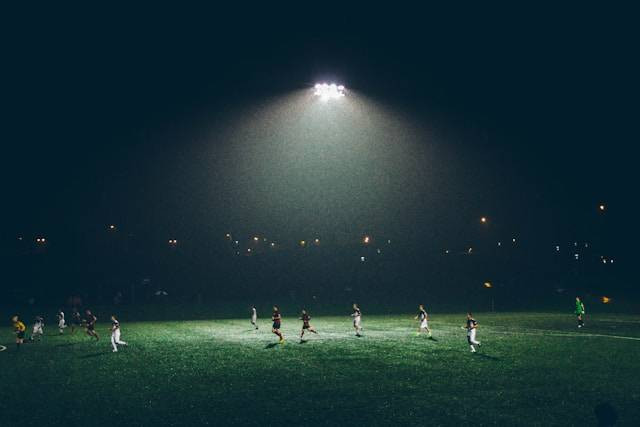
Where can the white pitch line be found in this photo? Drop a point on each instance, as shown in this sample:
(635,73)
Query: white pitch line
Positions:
(559,334)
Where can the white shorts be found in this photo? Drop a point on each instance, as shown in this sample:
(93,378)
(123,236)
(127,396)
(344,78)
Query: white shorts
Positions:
(356,322)
(115,335)
(471,336)
(61,324)
(37,330)
(424,324)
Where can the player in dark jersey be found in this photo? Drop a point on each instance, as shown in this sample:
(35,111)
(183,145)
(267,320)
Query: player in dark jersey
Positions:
(91,325)
(277,323)
(76,320)
(304,316)
(472,326)
(19,328)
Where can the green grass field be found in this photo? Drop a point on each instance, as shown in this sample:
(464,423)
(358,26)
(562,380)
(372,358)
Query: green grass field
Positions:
(533,369)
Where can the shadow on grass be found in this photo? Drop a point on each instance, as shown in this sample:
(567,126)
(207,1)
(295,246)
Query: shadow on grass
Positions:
(303,341)
(433,339)
(486,356)
(92,355)
(69,344)
(271,345)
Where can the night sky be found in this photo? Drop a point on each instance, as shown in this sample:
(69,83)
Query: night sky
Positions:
(198,122)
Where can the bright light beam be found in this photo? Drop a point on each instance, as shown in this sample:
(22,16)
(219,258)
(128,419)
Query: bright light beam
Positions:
(329,91)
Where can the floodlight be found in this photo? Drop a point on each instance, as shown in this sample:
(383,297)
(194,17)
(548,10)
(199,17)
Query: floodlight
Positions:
(329,91)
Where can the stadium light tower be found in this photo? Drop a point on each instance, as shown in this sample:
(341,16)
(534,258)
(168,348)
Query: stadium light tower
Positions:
(327,91)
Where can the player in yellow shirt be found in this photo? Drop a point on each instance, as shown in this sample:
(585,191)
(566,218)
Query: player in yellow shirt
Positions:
(19,329)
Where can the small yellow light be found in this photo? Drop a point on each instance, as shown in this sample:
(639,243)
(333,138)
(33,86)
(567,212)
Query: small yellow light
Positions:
(302,243)
(112,227)
(256,238)
(366,239)
(483,219)
(601,207)
(605,300)
(488,285)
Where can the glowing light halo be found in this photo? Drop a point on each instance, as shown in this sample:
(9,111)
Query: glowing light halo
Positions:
(328,91)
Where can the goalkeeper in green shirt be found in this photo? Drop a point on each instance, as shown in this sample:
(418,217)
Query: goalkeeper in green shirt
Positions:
(580,312)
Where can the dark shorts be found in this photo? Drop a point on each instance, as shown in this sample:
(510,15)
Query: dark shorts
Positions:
(91,327)
(276,325)
(306,326)
(20,335)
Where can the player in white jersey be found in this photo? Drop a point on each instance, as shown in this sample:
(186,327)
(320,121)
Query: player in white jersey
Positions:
(115,334)
(423,317)
(472,326)
(254,316)
(61,322)
(357,319)
(38,329)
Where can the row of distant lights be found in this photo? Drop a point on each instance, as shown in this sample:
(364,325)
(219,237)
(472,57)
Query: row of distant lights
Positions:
(328,91)
(365,239)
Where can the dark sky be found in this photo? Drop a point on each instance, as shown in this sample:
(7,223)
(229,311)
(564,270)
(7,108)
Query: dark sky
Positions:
(105,112)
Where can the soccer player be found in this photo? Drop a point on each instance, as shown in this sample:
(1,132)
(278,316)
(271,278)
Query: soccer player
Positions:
(61,322)
(115,334)
(19,329)
(357,318)
(277,323)
(76,320)
(38,331)
(472,326)
(580,312)
(91,325)
(424,320)
(305,324)
(254,316)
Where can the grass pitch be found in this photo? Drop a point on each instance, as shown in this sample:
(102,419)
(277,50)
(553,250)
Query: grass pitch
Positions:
(532,369)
